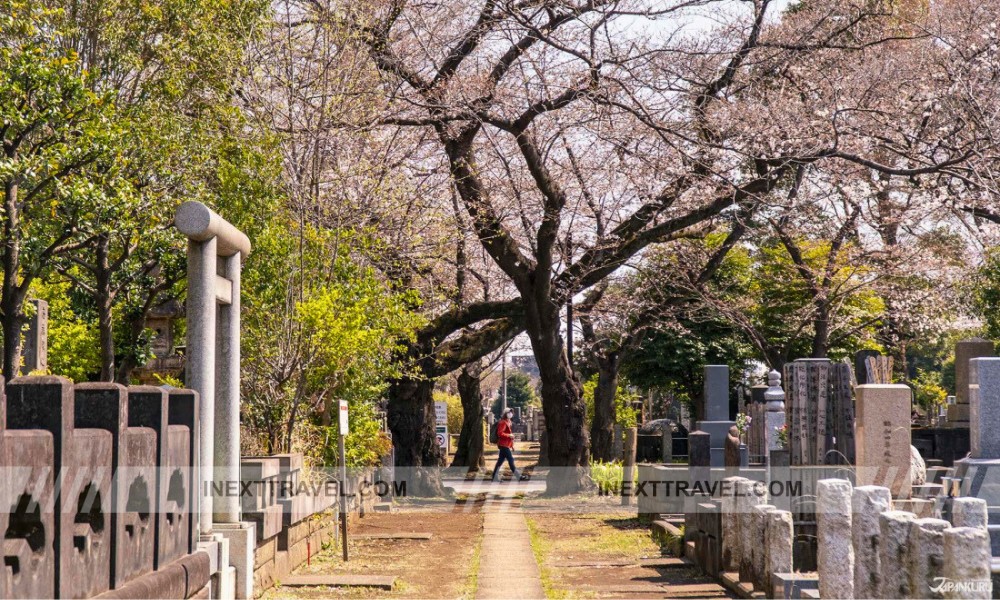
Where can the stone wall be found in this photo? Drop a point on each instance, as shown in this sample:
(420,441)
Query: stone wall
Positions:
(98,490)
(868,545)
(292,526)
(122,520)
(278,556)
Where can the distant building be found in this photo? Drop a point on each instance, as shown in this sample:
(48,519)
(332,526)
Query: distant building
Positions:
(526,364)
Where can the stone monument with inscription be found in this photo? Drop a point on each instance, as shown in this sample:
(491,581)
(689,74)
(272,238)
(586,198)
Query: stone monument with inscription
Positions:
(820,412)
(883,437)
(36,341)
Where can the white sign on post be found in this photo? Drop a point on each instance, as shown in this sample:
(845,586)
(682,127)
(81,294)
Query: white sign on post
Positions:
(441,434)
(440,413)
(343,417)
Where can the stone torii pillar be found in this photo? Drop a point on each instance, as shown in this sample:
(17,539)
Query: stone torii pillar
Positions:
(216,250)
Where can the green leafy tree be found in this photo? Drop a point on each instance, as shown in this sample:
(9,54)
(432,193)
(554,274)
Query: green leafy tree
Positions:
(169,70)
(520,393)
(786,296)
(810,298)
(73,337)
(985,294)
(929,390)
(327,334)
(55,126)
(625,414)
(671,358)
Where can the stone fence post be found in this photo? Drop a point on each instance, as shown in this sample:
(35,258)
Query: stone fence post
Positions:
(628,470)
(835,554)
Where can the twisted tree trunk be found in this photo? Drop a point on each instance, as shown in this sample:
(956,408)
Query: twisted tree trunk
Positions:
(411,420)
(603,426)
(470,441)
(567,445)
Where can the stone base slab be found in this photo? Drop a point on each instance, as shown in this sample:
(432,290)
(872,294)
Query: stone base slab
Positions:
(792,585)
(718,430)
(242,542)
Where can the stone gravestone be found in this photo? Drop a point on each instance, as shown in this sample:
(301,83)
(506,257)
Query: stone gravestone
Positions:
(699,449)
(757,435)
(716,413)
(984,409)
(883,437)
(36,342)
(861,366)
(820,412)
(980,473)
(965,351)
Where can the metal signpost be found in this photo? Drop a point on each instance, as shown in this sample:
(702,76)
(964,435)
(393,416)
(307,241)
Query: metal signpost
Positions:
(343,475)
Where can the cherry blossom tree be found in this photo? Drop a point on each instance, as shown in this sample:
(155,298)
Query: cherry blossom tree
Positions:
(619,122)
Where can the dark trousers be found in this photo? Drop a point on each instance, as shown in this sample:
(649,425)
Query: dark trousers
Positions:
(505,455)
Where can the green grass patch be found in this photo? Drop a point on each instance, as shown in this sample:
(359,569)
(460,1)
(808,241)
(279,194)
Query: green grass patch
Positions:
(609,475)
(617,537)
(540,547)
(472,580)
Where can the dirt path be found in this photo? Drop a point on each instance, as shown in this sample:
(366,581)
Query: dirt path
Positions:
(444,566)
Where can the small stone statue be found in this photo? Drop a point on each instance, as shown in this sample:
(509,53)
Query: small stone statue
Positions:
(732,449)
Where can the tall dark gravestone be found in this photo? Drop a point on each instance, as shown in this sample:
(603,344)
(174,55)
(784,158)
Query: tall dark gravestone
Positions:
(965,350)
(861,366)
(716,411)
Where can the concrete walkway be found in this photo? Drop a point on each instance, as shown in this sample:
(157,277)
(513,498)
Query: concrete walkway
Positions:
(507,567)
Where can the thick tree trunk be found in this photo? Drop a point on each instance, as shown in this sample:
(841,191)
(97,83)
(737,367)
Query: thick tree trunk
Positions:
(411,420)
(603,425)
(566,439)
(105,301)
(470,441)
(11,300)
(129,362)
(821,331)
(13,322)
(107,336)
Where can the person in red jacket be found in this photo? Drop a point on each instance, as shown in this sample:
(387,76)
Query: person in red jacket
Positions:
(505,442)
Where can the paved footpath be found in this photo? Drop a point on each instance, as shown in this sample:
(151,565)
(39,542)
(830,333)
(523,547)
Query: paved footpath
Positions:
(507,567)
